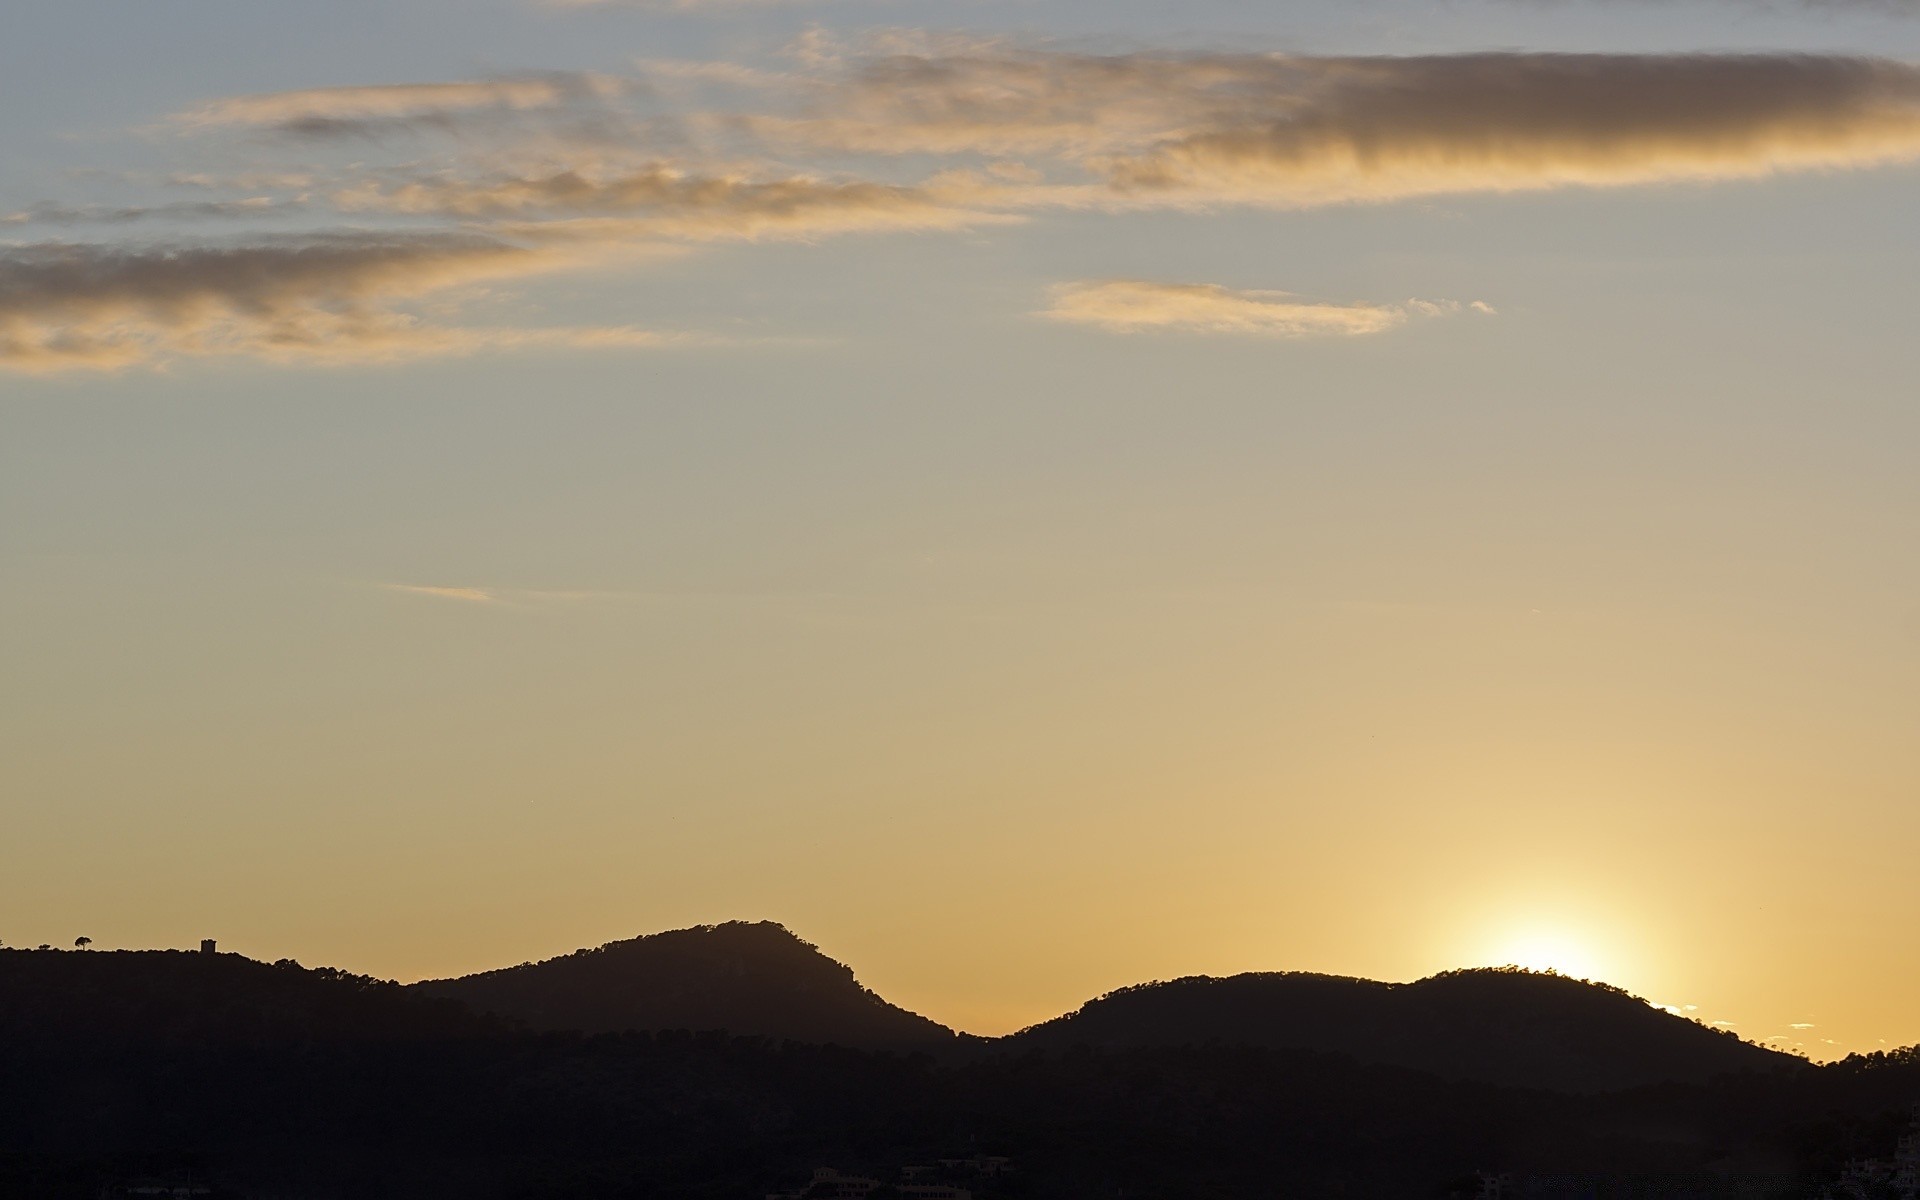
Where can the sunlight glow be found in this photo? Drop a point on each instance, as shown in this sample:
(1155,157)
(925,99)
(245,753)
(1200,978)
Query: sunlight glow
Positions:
(1550,950)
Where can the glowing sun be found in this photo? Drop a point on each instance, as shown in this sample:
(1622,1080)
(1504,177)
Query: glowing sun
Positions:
(1549,950)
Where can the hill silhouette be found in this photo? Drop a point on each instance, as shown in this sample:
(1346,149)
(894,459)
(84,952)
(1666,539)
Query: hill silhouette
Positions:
(1503,1025)
(747,978)
(157,998)
(158,1068)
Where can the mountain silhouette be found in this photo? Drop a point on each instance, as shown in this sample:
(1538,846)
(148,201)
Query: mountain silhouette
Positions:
(158,998)
(747,978)
(130,1070)
(1506,1026)
(1503,1025)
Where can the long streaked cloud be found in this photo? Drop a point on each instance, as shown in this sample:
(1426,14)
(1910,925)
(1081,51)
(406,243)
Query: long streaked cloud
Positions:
(1905,8)
(1293,131)
(322,109)
(897,133)
(1138,306)
(467,595)
(658,200)
(339,298)
(1385,129)
(532,598)
(254,207)
(673,5)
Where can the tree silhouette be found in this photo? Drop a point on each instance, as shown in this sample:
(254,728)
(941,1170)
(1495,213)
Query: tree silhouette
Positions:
(81,943)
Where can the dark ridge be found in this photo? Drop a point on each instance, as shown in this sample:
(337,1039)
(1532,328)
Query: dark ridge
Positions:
(176,997)
(1504,1026)
(125,1072)
(747,978)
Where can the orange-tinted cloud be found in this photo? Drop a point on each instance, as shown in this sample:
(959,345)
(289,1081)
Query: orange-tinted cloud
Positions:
(325,298)
(1384,129)
(327,108)
(1135,306)
(969,133)
(1292,131)
(659,200)
(469,595)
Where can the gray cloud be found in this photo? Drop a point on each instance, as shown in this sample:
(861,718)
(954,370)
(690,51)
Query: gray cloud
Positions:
(1289,131)
(1380,129)
(451,106)
(662,201)
(323,298)
(257,207)
(946,134)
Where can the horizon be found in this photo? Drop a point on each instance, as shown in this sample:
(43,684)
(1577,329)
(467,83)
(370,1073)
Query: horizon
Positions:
(1039,494)
(1784,1043)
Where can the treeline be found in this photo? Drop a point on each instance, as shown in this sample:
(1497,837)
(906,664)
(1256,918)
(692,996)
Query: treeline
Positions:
(279,1081)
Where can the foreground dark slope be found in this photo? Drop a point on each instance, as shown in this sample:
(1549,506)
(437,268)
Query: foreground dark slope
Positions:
(163,998)
(745,978)
(312,1084)
(1509,1027)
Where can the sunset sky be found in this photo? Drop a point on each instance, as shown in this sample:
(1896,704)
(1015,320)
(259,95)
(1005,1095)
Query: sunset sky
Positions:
(1035,495)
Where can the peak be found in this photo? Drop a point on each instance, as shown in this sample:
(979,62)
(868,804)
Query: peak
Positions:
(745,977)
(1499,1025)
(739,932)
(1511,973)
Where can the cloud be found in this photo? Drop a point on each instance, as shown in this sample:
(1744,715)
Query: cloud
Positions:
(659,200)
(1187,130)
(1386,129)
(675,5)
(907,95)
(378,100)
(535,598)
(1133,306)
(333,111)
(470,595)
(894,132)
(245,180)
(1890,7)
(1800,1025)
(1292,131)
(321,298)
(256,207)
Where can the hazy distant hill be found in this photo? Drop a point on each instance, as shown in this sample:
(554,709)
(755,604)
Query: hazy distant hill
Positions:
(1509,1027)
(742,977)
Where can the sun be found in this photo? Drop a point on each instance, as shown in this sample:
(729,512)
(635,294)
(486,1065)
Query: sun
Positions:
(1549,950)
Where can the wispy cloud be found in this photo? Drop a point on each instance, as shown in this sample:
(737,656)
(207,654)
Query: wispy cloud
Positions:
(1134,305)
(660,200)
(337,109)
(1904,8)
(466,595)
(531,598)
(333,298)
(1385,129)
(896,132)
(1291,131)
(256,207)
(676,5)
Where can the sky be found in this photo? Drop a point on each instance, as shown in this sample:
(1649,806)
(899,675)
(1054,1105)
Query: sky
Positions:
(1034,495)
